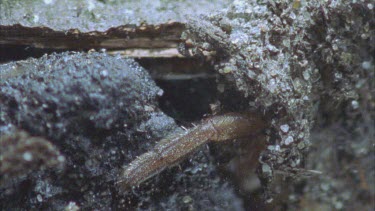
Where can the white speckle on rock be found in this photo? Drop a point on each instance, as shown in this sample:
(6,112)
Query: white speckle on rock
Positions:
(306,75)
(72,206)
(160,92)
(366,65)
(104,73)
(355,104)
(284,128)
(27,156)
(272,85)
(274,147)
(36,18)
(91,5)
(238,38)
(149,108)
(61,158)
(289,140)
(39,198)
(277,148)
(187,199)
(292,15)
(48,1)
(339,205)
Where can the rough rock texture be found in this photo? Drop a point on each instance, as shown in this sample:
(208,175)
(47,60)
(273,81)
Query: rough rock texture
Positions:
(289,59)
(308,66)
(99,112)
(21,154)
(137,28)
(99,15)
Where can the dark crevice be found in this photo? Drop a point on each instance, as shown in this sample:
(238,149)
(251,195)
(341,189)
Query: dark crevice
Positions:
(189,86)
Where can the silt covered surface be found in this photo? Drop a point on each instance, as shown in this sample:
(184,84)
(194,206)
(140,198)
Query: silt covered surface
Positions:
(302,64)
(84,117)
(29,28)
(95,15)
(308,67)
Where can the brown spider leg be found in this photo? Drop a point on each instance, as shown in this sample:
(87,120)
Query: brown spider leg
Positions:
(215,129)
(172,149)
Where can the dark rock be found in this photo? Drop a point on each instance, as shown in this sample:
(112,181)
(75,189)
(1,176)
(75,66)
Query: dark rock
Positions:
(100,112)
